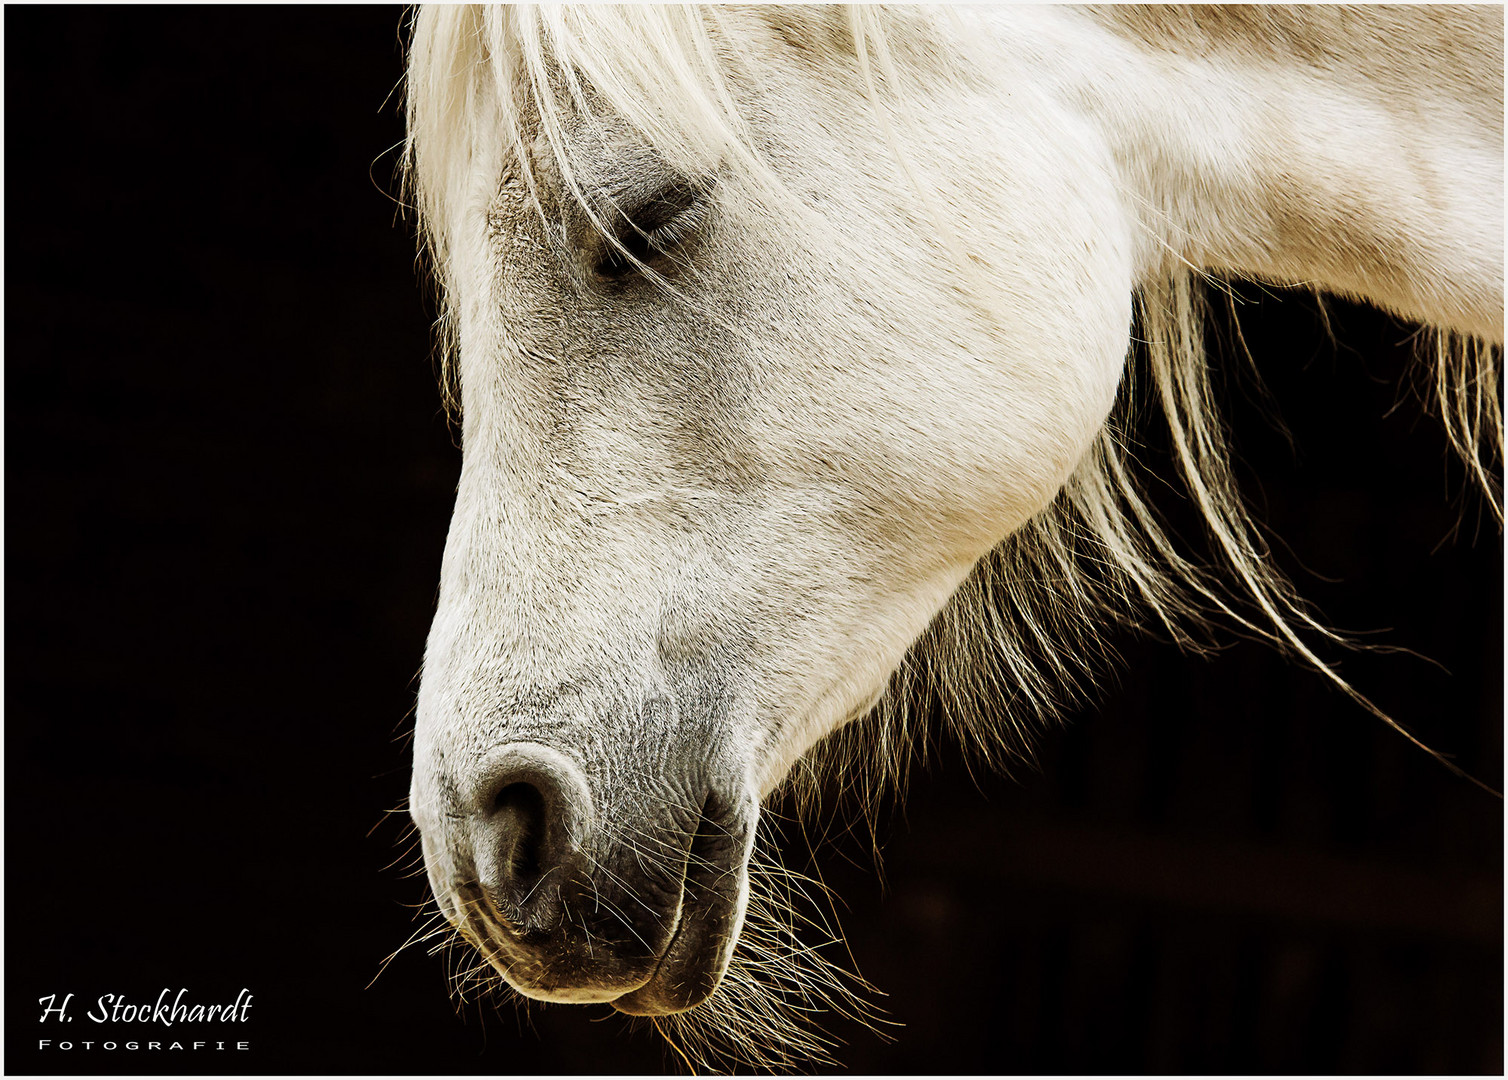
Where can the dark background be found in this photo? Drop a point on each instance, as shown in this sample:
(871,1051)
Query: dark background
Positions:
(228,481)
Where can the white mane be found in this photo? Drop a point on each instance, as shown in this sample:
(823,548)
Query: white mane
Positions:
(1025,631)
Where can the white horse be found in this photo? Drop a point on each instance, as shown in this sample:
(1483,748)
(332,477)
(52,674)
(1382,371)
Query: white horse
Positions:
(792,346)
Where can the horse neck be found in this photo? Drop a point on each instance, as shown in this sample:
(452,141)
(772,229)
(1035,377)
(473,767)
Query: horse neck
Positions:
(1355,150)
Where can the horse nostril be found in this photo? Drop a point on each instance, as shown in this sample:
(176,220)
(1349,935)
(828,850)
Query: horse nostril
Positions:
(519,811)
(530,813)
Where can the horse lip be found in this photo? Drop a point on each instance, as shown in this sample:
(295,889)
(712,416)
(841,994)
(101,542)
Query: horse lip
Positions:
(704,925)
(542,980)
(643,997)
(568,995)
(696,957)
(683,986)
(675,933)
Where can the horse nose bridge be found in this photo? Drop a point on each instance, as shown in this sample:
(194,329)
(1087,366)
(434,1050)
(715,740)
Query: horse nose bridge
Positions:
(513,641)
(569,515)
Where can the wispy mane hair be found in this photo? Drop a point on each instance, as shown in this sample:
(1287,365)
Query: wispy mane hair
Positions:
(1019,641)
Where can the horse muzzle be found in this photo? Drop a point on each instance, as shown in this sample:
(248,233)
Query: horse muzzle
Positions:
(575,899)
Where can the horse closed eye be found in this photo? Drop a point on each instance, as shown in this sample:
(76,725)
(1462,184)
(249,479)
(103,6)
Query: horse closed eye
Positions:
(652,229)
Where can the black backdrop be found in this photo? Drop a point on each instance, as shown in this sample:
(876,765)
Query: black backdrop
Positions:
(228,479)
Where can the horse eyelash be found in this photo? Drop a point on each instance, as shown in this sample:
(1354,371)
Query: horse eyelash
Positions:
(635,246)
(676,231)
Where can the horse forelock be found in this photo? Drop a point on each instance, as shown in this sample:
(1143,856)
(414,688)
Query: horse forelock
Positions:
(657,70)
(662,71)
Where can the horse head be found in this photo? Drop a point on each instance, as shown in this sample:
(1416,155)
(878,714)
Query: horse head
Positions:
(736,426)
